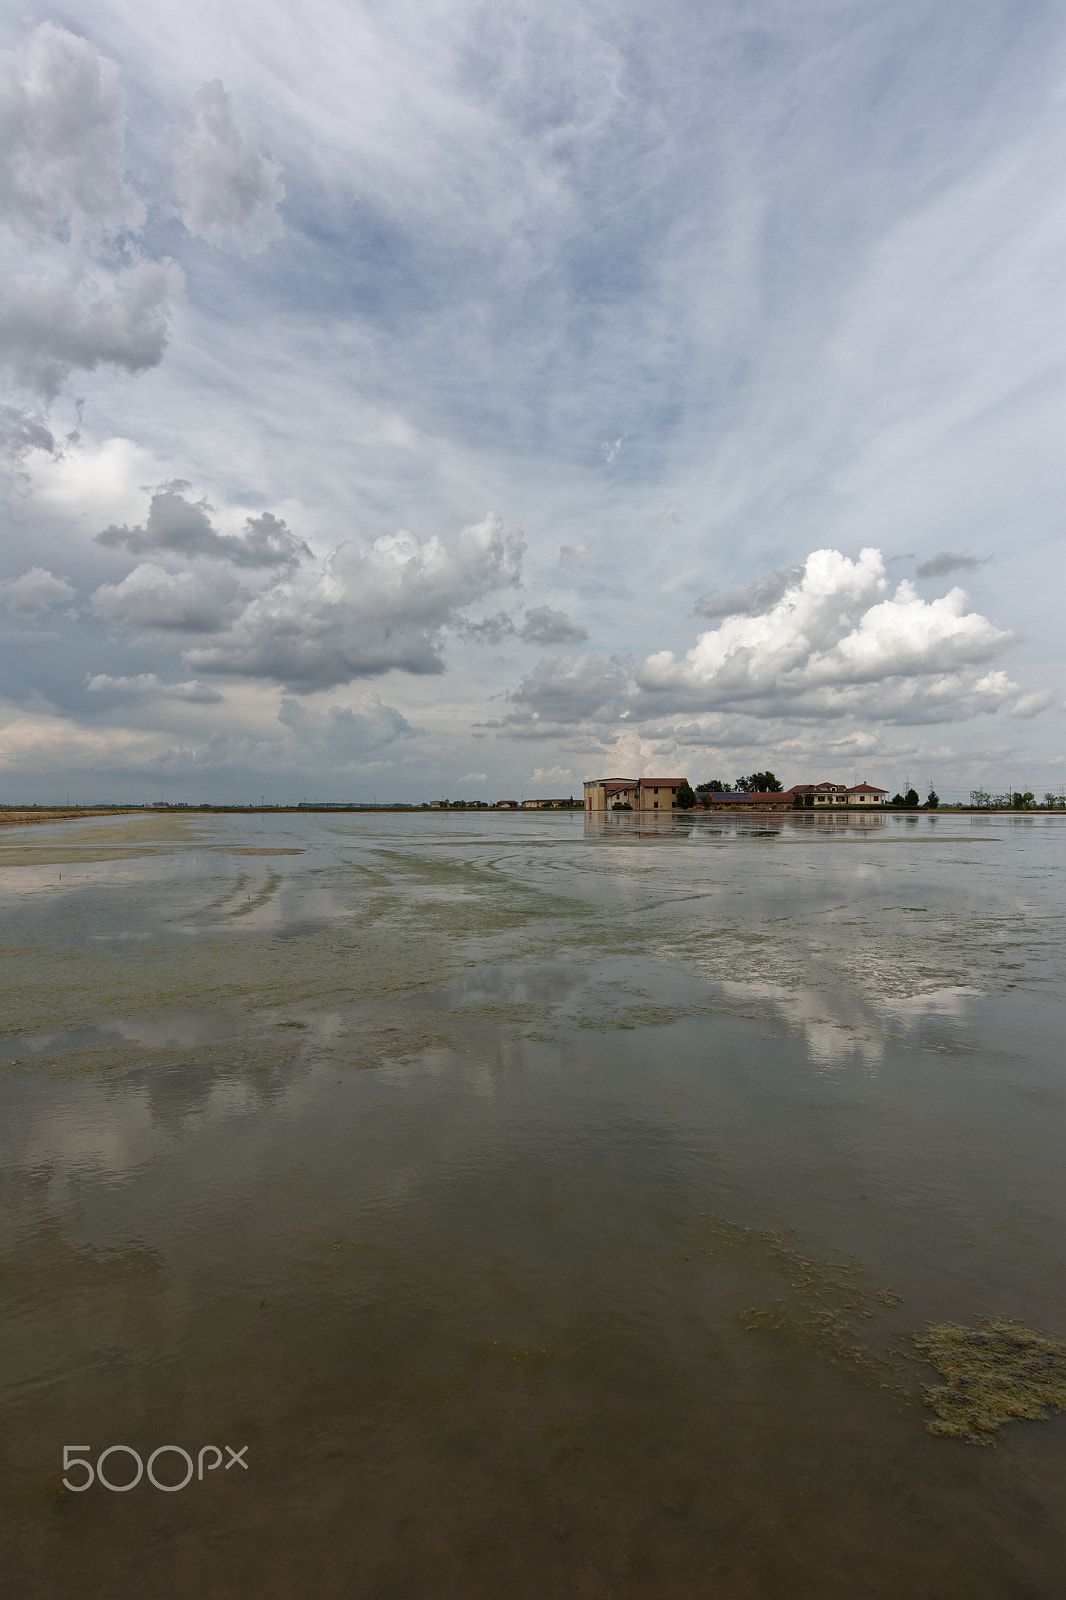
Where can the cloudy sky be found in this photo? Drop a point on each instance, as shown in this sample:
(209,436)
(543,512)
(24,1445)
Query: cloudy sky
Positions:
(417,399)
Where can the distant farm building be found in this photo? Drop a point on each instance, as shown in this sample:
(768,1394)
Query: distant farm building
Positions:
(639,794)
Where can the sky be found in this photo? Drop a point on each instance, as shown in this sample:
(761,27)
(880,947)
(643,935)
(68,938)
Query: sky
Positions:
(429,399)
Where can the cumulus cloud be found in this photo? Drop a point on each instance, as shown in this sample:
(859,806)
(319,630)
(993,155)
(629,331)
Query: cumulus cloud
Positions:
(1031,705)
(343,734)
(946,561)
(145,685)
(753,599)
(371,610)
(576,555)
(570,689)
(473,777)
(834,642)
(229,190)
(62,158)
(551,775)
(74,293)
(544,626)
(53,321)
(36,591)
(152,598)
(183,527)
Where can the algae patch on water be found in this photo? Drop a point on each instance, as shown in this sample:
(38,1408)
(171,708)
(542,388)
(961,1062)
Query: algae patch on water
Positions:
(995,1372)
(826,1304)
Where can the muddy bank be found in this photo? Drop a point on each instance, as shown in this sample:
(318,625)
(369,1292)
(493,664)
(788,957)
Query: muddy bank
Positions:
(18,819)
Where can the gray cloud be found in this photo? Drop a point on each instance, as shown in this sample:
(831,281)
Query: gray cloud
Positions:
(544,626)
(753,599)
(569,689)
(21,431)
(36,591)
(53,321)
(576,555)
(343,734)
(490,630)
(151,598)
(228,189)
(181,526)
(371,611)
(946,561)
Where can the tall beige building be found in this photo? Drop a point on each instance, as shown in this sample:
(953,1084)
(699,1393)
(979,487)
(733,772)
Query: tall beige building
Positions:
(643,794)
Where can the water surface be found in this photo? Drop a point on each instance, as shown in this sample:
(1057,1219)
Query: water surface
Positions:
(546,1203)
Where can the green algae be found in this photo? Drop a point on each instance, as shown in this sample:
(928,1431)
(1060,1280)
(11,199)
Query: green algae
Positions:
(996,1372)
(826,1303)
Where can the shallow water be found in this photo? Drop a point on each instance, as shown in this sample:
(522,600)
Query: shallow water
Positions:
(547,1204)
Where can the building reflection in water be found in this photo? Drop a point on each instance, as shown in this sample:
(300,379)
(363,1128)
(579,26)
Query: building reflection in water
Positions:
(624,825)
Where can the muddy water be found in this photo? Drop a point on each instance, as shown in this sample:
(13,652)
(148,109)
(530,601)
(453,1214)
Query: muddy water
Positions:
(546,1205)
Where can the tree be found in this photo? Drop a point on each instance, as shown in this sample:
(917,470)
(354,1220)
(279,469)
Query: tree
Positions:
(686,798)
(716,786)
(933,800)
(761,783)
(1022,802)
(911,800)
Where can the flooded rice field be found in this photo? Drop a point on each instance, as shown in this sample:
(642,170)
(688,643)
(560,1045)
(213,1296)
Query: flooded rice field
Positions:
(531,1207)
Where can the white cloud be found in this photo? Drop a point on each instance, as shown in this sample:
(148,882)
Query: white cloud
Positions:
(576,555)
(229,190)
(473,777)
(551,775)
(371,610)
(152,598)
(62,157)
(74,293)
(145,685)
(1031,705)
(36,591)
(835,643)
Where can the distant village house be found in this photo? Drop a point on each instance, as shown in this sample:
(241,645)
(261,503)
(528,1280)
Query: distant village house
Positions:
(660,794)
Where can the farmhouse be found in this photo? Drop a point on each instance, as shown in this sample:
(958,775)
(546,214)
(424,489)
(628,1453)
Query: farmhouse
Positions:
(865,794)
(641,794)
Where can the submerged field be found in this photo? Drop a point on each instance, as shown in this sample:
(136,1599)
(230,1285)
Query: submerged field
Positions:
(552,1207)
